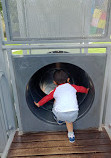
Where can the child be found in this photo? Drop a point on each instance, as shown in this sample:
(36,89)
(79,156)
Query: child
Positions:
(65,106)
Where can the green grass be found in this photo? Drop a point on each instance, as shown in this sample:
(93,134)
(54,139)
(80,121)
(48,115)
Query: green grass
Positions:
(96,50)
(18,52)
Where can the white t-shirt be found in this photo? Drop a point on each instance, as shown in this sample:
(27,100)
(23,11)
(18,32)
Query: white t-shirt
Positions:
(65,98)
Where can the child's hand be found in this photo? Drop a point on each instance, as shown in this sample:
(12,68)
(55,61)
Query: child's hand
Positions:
(87,90)
(37,104)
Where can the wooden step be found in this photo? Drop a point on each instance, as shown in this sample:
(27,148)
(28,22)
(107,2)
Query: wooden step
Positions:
(89,143)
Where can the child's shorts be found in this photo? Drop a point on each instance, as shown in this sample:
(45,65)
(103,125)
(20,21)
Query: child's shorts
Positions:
(70,116)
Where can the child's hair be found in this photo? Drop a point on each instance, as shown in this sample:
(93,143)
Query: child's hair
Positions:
(60,76)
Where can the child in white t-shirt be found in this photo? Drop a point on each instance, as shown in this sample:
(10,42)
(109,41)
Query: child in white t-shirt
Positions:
(65,106)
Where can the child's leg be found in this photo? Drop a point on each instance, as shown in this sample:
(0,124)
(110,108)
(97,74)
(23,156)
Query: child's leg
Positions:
(56,116)
(59,122)
(69,126)
(70,131)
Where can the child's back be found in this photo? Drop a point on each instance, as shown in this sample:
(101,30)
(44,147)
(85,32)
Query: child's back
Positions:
(65,98)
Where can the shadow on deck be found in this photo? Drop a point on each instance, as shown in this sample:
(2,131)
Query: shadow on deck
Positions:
(89,144)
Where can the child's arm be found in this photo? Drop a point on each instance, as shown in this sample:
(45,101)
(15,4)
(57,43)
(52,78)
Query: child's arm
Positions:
(81,89)
(45,99)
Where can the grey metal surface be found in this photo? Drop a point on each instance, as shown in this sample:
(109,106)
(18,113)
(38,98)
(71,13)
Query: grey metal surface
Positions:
(105,92)
(7,123)
(41,83)
(107,100)
(6,103)
(55,46)
(105,39)
(3,133)
(7,116)
(25,67)
(17,110)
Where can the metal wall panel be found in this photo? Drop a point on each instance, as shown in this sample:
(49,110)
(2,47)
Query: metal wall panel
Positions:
(26,66)
(63,20)
(3,133)
(7,122)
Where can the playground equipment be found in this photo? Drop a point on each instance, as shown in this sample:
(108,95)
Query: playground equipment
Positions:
(32,75)
(38,30)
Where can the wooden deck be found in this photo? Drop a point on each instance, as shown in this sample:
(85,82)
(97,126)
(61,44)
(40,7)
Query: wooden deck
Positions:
(88,144)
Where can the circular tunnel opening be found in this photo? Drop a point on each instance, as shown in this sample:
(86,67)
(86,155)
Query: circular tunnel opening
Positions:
(41,83)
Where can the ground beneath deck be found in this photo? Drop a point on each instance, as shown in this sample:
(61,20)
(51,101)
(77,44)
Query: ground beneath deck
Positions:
(88,144)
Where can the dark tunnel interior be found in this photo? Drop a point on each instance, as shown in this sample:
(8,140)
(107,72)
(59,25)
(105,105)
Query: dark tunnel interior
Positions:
(41,83)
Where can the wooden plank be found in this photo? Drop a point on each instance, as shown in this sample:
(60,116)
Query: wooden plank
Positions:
(59,137)
(92,155)
(62,132)
(59,150)
(88,144)
(60,143)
